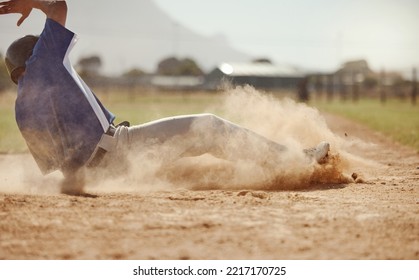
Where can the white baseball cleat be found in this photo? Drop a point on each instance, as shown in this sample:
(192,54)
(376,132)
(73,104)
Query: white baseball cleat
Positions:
(319,153)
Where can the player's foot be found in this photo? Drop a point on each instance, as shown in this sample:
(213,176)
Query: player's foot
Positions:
(319,153)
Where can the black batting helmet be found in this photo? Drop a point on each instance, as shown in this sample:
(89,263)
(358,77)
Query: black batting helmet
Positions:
(17,54)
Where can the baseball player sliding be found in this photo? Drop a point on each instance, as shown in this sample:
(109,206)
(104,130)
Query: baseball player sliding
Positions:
(67,128)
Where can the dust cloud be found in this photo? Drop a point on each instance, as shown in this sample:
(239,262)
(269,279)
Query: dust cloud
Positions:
(246,163)
(20,174)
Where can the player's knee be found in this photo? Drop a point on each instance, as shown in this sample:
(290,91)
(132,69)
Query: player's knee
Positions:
(211,120)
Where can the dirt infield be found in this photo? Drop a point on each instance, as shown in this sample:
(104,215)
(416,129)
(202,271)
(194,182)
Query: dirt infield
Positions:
(376,218)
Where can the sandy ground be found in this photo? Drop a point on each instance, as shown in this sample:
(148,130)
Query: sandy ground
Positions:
(377,218)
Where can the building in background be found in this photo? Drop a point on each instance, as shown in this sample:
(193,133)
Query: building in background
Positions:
(261,75)
(355,79)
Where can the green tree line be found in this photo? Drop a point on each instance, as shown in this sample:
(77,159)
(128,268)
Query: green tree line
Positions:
(89,67)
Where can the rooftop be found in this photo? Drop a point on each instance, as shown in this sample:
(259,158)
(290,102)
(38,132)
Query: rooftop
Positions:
(259,69)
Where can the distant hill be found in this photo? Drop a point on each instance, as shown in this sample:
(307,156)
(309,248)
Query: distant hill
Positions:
(129,34)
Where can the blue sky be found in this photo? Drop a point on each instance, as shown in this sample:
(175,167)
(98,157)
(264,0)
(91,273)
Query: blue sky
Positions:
(312,34)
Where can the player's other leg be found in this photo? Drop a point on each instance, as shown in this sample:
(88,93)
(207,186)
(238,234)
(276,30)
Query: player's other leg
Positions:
(207,133)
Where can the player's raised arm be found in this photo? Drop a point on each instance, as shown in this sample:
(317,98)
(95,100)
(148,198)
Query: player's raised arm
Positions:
(53,9)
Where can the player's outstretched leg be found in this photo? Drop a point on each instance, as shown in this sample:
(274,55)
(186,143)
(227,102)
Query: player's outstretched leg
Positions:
(207,133)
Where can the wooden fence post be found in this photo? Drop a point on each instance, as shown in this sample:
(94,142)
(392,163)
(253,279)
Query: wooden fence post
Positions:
(330,81)
(303,93)
(342,88)
(414,86)
(383,96)
(355,87)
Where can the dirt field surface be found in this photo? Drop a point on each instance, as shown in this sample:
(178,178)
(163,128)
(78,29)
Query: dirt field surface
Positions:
(375,218)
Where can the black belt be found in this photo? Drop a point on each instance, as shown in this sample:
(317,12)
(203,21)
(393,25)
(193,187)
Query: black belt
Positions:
(100,152)
(111,131)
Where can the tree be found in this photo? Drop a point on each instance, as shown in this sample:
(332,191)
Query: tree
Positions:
(134,73)
(89,66)
(262,60)
(188,67)
(168,66)
(172,66)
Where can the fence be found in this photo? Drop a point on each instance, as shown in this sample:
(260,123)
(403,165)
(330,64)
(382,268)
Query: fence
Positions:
(352,85)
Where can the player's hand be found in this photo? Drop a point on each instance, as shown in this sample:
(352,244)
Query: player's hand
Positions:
(23,7)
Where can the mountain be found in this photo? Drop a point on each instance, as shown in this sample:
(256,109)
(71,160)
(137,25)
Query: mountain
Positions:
(131,34)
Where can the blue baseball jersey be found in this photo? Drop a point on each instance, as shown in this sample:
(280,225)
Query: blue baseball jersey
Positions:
(58,115)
